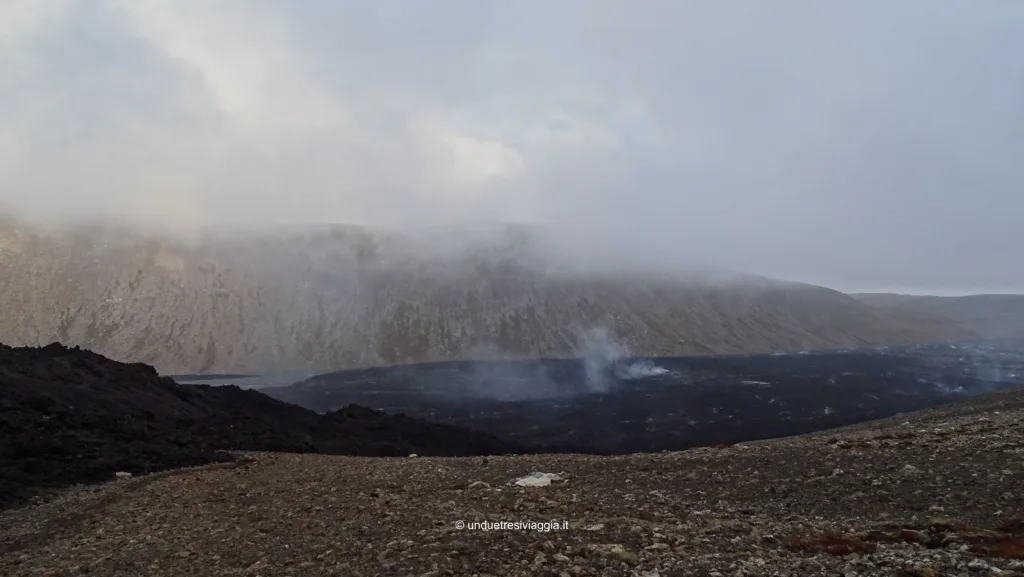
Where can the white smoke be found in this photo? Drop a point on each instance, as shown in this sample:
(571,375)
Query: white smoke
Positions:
(640,369)
(603,356)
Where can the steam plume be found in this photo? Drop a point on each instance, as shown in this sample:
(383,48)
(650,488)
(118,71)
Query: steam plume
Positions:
(604,356)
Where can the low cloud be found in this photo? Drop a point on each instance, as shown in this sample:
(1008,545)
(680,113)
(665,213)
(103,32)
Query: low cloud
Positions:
(857,145)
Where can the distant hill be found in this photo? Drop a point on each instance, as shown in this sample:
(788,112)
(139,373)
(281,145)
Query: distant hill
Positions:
(991,316)
(343,296)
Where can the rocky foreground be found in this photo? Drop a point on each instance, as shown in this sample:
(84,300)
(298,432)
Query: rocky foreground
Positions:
(928,494)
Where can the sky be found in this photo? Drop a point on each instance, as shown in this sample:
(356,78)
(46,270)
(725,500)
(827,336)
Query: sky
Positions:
(862,145)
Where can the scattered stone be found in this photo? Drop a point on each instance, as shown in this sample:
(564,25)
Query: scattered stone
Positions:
(979,565)
(912,536)
(910,470)
(615,550)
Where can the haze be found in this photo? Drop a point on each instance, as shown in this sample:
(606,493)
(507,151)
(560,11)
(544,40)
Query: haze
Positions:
(860,145)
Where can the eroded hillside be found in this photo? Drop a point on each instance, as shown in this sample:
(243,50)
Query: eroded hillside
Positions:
(992,316)
(341,296)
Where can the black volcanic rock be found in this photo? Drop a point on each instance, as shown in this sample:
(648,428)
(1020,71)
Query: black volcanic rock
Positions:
(700,401)
(71,416)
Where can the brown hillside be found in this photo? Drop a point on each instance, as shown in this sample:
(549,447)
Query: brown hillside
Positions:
(991,316)
(342,296)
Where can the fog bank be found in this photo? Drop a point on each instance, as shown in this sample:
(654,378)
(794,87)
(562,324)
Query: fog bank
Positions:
(856,145)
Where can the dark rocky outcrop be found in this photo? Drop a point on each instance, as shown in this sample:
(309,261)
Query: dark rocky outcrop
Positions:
(71,416)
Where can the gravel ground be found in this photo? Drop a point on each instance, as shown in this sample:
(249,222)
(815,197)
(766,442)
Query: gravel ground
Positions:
(929,494)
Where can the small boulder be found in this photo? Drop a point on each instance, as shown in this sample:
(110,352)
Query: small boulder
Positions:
(537,480)
(910,470)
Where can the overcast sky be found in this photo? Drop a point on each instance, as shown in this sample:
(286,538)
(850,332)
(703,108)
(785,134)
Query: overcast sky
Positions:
(857,144)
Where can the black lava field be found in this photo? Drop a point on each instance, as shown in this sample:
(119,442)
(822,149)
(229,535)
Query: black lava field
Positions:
(638,405)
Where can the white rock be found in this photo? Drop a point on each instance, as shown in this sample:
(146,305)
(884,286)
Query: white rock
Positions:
(979,565)
(538,480)
(122,475)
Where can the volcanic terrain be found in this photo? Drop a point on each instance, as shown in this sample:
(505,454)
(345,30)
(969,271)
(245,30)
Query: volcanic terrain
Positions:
(997,316)
(342,297)
(71,416)
(630,405)
(934,493)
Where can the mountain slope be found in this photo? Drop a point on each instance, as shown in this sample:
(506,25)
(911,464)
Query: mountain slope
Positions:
(342,296)
(992,316)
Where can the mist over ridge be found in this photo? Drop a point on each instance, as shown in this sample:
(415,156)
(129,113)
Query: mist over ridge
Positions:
(344,297)
(689,176)
(840,145)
